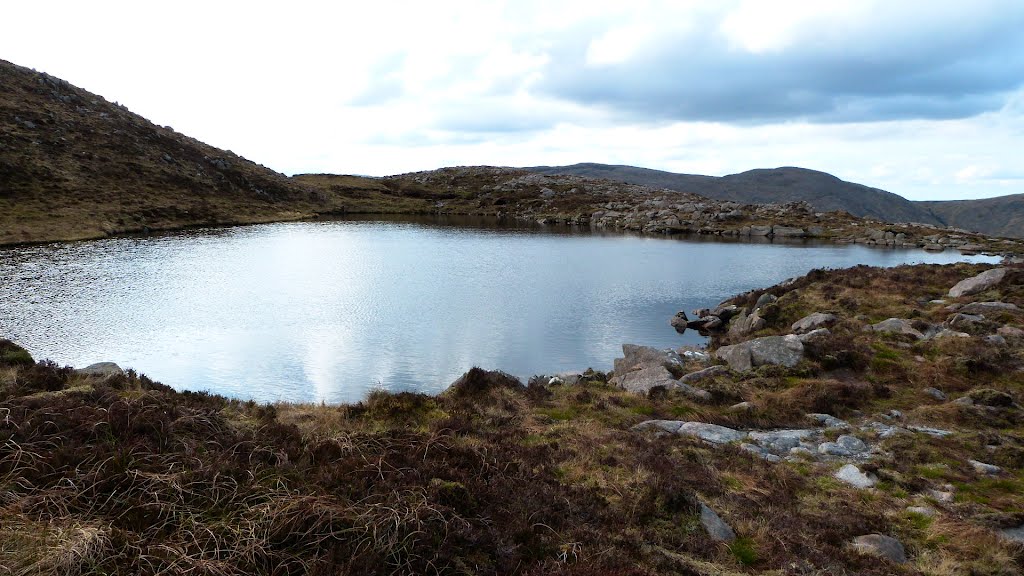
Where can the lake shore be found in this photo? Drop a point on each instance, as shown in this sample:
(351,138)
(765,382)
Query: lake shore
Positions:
(902,427)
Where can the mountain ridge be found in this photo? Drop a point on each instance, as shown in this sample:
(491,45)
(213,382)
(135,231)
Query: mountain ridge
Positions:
(1002,216)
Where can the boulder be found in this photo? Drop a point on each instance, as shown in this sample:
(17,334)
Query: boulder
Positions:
(853,476)
(852,443)
(936,393)
(781,440)
(897,326)
(882,546)
(101,370)
(737,357)
(679,321)
(641,381)
(711,432)
(963,322)
(764,300)
(833,449)
(819,335)
(979,283)
(709,372)
(1010,332)
(639,357)
(760,230)
(744,324)
(716,528)
(813,322)
(987,308)
(777,350)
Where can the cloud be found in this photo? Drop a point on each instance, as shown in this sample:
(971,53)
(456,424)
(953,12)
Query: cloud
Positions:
(757,63)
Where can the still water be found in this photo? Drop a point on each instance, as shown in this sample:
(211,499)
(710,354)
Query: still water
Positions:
(327,311)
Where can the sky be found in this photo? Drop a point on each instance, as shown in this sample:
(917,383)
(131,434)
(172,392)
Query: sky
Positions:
(921,98)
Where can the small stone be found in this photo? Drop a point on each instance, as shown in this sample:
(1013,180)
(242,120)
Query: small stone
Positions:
(927,511)
(742,407)
(661,426)
(853,476)
(943,496)
(935,393)
(881,546)
(934,432)
(716,528)
(828,421)
(983,468)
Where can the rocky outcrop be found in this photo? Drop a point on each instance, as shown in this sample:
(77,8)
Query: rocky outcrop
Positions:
(979,283)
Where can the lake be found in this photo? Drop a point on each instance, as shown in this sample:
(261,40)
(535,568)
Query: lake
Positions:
(329,310)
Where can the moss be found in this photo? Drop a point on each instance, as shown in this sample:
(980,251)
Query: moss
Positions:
(744,550)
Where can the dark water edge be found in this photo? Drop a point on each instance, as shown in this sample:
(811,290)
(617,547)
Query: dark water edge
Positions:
(328,310)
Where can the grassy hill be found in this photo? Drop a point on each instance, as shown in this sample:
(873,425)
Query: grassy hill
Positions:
(74,165)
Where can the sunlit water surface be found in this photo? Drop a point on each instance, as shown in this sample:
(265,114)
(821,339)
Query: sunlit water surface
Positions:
(326,311)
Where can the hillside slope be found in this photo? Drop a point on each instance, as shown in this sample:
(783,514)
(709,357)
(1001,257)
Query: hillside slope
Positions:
(1001,216)
(73,165)
(996,216)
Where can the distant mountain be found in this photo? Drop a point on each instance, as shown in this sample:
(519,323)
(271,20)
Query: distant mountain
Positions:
(996,216)
(1000,216)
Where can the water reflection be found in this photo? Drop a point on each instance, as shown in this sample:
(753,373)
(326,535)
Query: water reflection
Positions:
(329,310)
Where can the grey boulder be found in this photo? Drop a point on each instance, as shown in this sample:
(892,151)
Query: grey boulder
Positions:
(979,283)
(813,322)
(716,528)
(101,370)
(775,350)
(882,546)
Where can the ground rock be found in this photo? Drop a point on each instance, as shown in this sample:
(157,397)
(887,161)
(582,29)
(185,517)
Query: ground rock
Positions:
(897,326)
(828,420)
(813,322)
(711,432)
(744,324)
(670,426)
(983,468)
(716,528)
(781,440)
(709,372)
(737,356)
(853,476)
(935,393)
(882,546)
(852,443)
(979,283)
(788,232)
(987,308)
(833,449)
(962,322)
(764,300)
(1015,534)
